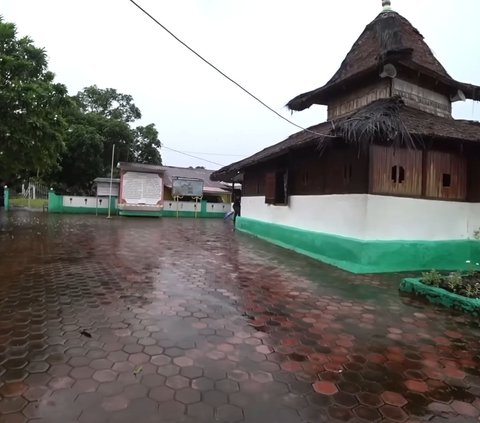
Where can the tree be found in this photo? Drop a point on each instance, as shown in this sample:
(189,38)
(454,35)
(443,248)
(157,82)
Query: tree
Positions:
(147,145)
(32,105)
(109,103)
(103,117)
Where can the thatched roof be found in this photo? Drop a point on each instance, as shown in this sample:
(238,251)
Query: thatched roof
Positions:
(388,121)
(389,38)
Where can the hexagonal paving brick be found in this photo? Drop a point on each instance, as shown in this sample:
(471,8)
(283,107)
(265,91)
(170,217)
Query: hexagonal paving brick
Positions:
(367,414)
(115,403)
(82,372)
(187,396)
(139,358)
(14,389)
(203,384)
(169,370)
(416,385)
(177,382)
(393,413)
(371,400)
(229,413)
(393,398)
(161,394)
(192,372)
(101,364)
(12,405)
(153,381)
(227,385)
(105,375)
(161,360)
(215,398)
(201,411)
(465,409)
(325,387)
(171,410)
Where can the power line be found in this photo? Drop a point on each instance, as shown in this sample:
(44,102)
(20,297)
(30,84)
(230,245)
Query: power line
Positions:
(190,155)
(225,75)
(216,154)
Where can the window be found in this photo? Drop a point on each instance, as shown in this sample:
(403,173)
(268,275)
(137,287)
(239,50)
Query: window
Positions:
(276,188)
(398,174)
(347,173)
(446,180)
(305,178)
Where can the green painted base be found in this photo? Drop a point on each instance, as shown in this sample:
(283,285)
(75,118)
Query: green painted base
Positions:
(82,210)
(366,256)
(140,213)
(203,215)
(441,296)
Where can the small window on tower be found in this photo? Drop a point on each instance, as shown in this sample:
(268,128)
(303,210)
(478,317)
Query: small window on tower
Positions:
(401,174)
(446,180)
(394,174)
(305,178)
(347,172)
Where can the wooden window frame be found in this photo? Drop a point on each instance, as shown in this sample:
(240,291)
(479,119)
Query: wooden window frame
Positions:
(276,188)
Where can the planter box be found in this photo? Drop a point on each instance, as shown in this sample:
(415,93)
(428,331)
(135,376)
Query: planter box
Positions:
(441,296)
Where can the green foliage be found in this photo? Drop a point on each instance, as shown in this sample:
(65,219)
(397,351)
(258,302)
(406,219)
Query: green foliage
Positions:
(147,145)
(66,140)
(432,278)
(102,119)
(454,281)
(472,290)
(32,105)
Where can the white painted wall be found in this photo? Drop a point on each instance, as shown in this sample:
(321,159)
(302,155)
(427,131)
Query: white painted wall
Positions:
(335,214)
(182,206)
(218,207)
(371,217)
(74,201)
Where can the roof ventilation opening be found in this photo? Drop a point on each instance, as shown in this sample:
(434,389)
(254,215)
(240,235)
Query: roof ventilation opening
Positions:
(459,96)
(387,5)
(388,71)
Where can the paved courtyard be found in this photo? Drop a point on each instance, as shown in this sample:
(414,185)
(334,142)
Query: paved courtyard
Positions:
(151,320)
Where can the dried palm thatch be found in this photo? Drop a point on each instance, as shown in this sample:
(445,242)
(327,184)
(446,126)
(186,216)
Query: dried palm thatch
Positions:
(379,122)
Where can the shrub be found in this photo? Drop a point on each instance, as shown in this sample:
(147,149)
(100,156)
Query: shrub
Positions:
(433,278)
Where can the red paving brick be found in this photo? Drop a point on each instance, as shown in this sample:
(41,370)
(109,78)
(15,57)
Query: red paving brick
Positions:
(184,320)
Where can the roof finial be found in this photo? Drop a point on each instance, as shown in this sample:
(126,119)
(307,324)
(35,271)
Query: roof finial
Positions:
(387,5)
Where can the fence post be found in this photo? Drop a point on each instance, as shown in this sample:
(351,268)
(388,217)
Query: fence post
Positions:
(6,197)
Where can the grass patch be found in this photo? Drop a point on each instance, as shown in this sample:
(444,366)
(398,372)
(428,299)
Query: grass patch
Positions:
(38,203)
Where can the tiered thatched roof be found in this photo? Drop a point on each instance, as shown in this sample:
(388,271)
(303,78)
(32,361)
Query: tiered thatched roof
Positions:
(387,121)
(389,38)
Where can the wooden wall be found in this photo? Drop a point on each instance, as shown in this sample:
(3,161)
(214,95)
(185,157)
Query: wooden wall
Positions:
(473,177)
(335,171)
(446,176)
(395,171)
(359,97)
(343,169)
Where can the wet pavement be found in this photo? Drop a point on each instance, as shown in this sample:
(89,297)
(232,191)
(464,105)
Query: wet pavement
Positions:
(165,320)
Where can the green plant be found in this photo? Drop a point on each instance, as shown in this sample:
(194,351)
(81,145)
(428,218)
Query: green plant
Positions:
(454,281)
(432,278)
(469,291)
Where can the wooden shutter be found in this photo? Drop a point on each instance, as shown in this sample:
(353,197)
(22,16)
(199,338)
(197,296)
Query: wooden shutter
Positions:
(270,187)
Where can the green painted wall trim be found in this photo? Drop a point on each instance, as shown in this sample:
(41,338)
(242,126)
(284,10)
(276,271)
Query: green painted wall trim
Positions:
(441,296)
(366,256)
(203,215)
(140,213)
(6,198)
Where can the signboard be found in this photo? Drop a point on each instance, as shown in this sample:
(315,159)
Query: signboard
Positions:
(103,189)
(187,187)
(142,188)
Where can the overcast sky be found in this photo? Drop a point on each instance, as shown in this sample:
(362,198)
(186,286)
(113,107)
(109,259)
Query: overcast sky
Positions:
(275,48)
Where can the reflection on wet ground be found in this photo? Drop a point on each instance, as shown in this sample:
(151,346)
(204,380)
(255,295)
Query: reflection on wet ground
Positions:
(165,320)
